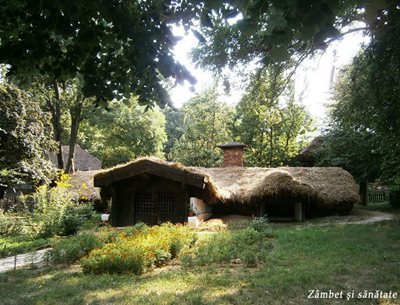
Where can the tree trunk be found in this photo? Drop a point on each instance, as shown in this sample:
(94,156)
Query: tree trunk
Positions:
(271,146)
(364,192)
(55,109)
(75,113)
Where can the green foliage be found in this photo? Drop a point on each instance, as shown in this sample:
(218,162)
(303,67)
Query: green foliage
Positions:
(71,249)
(10,226)
(395,186)
(25,135)
(18,234)
(248,246)
(270,122)
(365,127)
(118,48)
(206,123)
(173,127)
(75,217)
(123,133)
(260,224)
(277,31)
(56,211)
(51,206)
(138,249)
(320,257)
(68,107)
(21,244)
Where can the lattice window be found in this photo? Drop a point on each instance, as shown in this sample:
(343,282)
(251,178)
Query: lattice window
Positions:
(145,202)
(166,202)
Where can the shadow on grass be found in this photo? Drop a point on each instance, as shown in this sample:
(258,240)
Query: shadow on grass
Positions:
(52,286)
(337,257)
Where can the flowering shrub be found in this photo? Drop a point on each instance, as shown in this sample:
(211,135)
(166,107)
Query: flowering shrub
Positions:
(138,249)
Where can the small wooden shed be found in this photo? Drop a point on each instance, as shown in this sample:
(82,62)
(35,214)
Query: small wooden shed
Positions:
(148,190)
(152,191)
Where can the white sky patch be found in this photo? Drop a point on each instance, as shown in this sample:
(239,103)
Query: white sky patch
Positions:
(312,83)
(313,77)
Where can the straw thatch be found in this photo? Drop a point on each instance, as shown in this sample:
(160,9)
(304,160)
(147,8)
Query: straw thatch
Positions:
(308,156)
(328,187)
(82,185)
(83,160)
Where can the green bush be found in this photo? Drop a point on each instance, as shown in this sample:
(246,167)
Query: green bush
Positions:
(247,246)
(69,250)
(260,224)
(138,249)
(74,218)
(122,258)
(50,209)
(10,226)
(57,212)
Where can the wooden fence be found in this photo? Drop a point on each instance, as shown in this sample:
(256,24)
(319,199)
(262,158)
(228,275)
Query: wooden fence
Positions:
(378,196)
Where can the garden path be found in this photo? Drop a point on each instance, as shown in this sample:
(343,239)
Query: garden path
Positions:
(31,258)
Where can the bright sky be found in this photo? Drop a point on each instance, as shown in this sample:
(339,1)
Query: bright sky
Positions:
(312,83)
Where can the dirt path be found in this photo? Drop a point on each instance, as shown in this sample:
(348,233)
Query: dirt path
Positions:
(8,263)
(357,216)
(373,216)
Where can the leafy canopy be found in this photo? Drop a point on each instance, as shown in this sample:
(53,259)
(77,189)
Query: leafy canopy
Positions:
(270,122)
(365,131)
(124,132)
(206,124)
(276,31)
(25,138)
(119,48)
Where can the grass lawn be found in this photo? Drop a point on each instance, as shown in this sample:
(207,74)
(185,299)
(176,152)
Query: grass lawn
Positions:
(336,257)
(21,244)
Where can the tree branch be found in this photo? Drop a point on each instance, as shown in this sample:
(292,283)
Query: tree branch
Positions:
(348,32)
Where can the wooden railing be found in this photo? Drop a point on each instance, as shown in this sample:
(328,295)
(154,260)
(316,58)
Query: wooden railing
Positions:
(378,196)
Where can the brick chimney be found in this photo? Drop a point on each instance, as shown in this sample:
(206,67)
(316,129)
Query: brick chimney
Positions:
(233,153)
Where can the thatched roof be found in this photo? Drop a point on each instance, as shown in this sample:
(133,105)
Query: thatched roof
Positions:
(83,160)
(328,186)
(82,184)
(153,166)
(307,157)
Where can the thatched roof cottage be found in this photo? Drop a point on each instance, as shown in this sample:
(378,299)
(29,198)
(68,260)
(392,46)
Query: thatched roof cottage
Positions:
(152,191)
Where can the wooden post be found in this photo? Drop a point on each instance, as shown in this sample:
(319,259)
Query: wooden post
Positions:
(364,192)
(298,211)
(262,208)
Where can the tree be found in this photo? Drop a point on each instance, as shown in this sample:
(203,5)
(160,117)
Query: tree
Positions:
(118,48)
(279,30)
(365,130)
(25,136)
(273,128)
(174,129)
(124,132)
(67,106)
(206,123)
